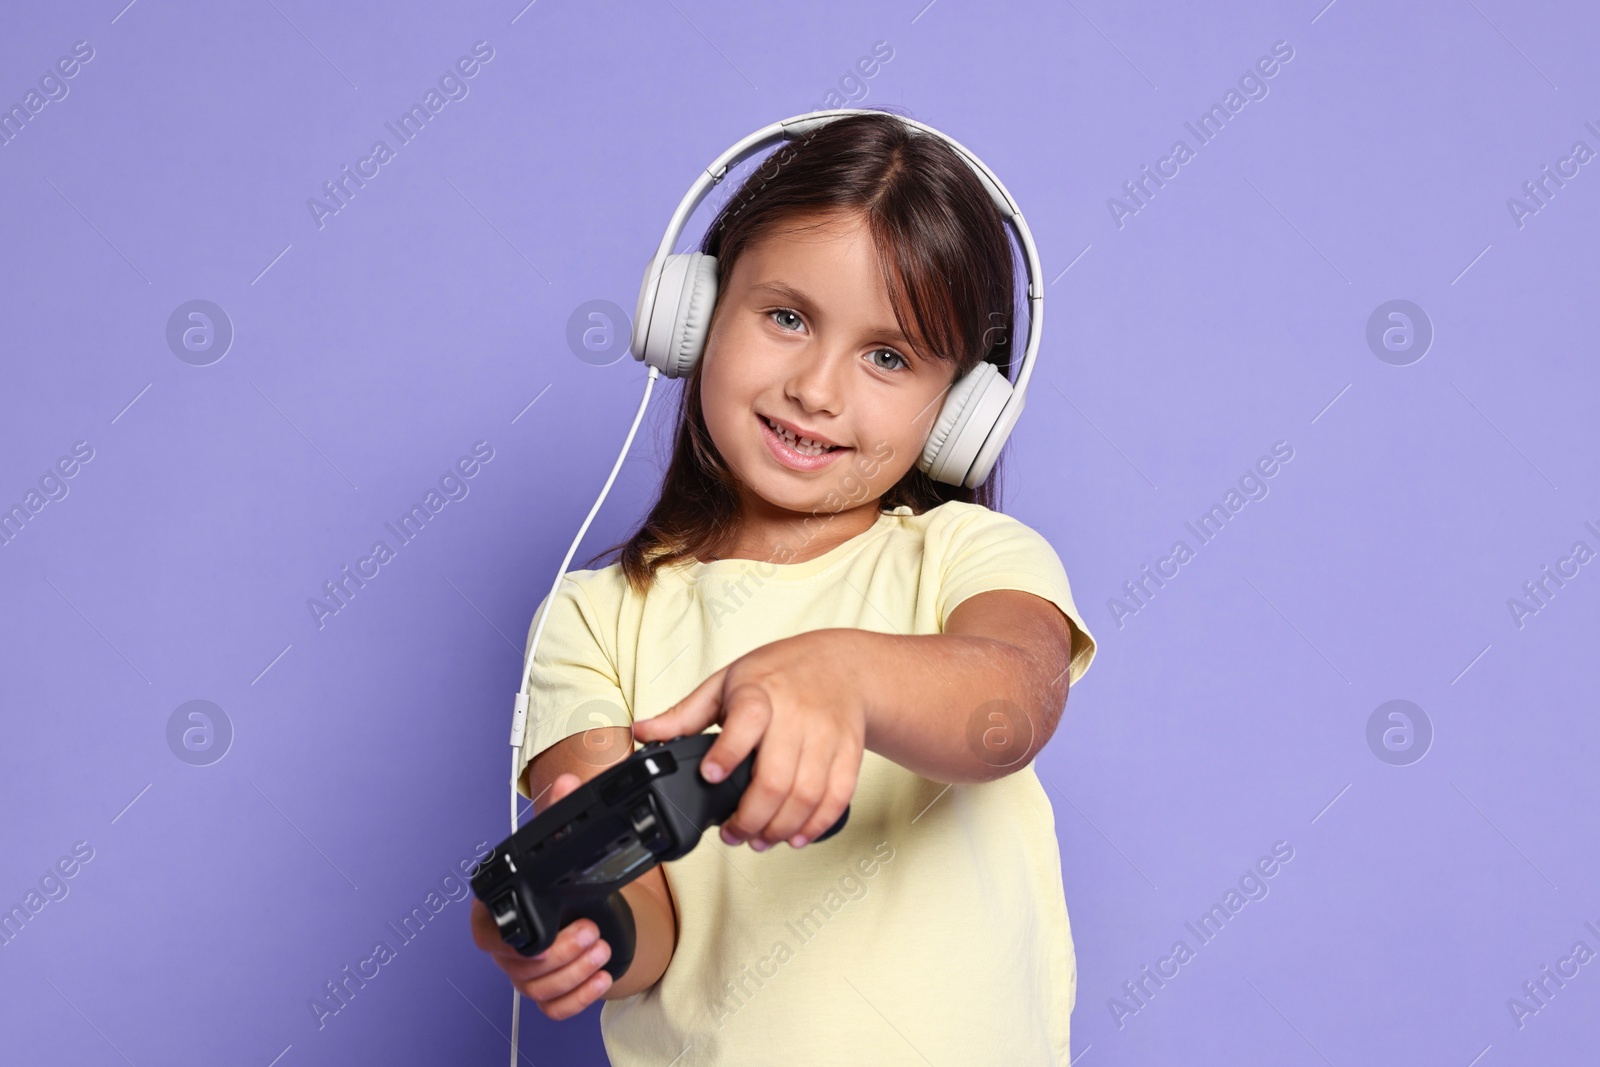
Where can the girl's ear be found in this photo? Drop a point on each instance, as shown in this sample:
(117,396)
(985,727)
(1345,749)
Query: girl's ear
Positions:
(673,316)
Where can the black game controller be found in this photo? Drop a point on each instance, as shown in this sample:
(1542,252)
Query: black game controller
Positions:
(572,860)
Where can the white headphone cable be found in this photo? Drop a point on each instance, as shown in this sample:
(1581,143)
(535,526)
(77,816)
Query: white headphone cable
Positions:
(519,721)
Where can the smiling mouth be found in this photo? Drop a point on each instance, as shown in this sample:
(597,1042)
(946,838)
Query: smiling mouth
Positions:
(802,445)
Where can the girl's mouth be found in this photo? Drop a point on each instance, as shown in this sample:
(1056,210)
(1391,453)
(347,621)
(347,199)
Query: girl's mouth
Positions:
(795,454)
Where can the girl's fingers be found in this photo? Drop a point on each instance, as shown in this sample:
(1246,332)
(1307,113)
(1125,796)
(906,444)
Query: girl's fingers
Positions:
(691,715)
(579,999)
(565,1007)
(570,944)
(813,770)
(565,992)
(564,784)
(772,776)
(486,934)
(746,716)
(843,776)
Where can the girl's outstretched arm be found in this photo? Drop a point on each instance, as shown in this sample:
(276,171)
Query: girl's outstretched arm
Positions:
(971,704)
(976,702)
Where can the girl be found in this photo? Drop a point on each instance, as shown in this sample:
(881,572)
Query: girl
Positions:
(878,638)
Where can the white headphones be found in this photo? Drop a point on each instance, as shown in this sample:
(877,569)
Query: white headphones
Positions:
(679,292)
(669,333)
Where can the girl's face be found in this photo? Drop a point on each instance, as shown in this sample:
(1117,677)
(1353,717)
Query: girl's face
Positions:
(804,339)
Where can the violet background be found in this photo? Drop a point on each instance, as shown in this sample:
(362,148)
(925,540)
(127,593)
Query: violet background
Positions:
(1228,314)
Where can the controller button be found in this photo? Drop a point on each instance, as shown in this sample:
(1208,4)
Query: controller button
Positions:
(644,818)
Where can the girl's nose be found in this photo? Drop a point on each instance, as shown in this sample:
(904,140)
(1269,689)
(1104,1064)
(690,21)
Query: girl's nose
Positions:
(817,381)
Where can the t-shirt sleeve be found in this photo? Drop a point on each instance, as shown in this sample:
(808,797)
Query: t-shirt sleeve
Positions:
(574,684)
(990,550)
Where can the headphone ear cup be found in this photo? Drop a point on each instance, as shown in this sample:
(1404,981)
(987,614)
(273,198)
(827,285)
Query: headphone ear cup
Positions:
(670,324)
(699,300)
(972,411)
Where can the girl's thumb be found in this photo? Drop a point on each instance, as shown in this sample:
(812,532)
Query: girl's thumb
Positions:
(563,785)
(691,715)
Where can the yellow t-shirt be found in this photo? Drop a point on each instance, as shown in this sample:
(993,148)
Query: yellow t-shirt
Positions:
(933,927)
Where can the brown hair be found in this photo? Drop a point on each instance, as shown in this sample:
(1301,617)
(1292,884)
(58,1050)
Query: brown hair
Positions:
(934,225)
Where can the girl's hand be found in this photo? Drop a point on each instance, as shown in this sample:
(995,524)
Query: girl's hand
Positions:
(565,978)
(801,700)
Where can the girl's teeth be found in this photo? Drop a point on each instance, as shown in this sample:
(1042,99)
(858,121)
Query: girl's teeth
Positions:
(800,444)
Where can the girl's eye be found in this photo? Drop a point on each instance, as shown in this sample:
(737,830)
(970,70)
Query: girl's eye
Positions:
(778,315)
(891,352)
